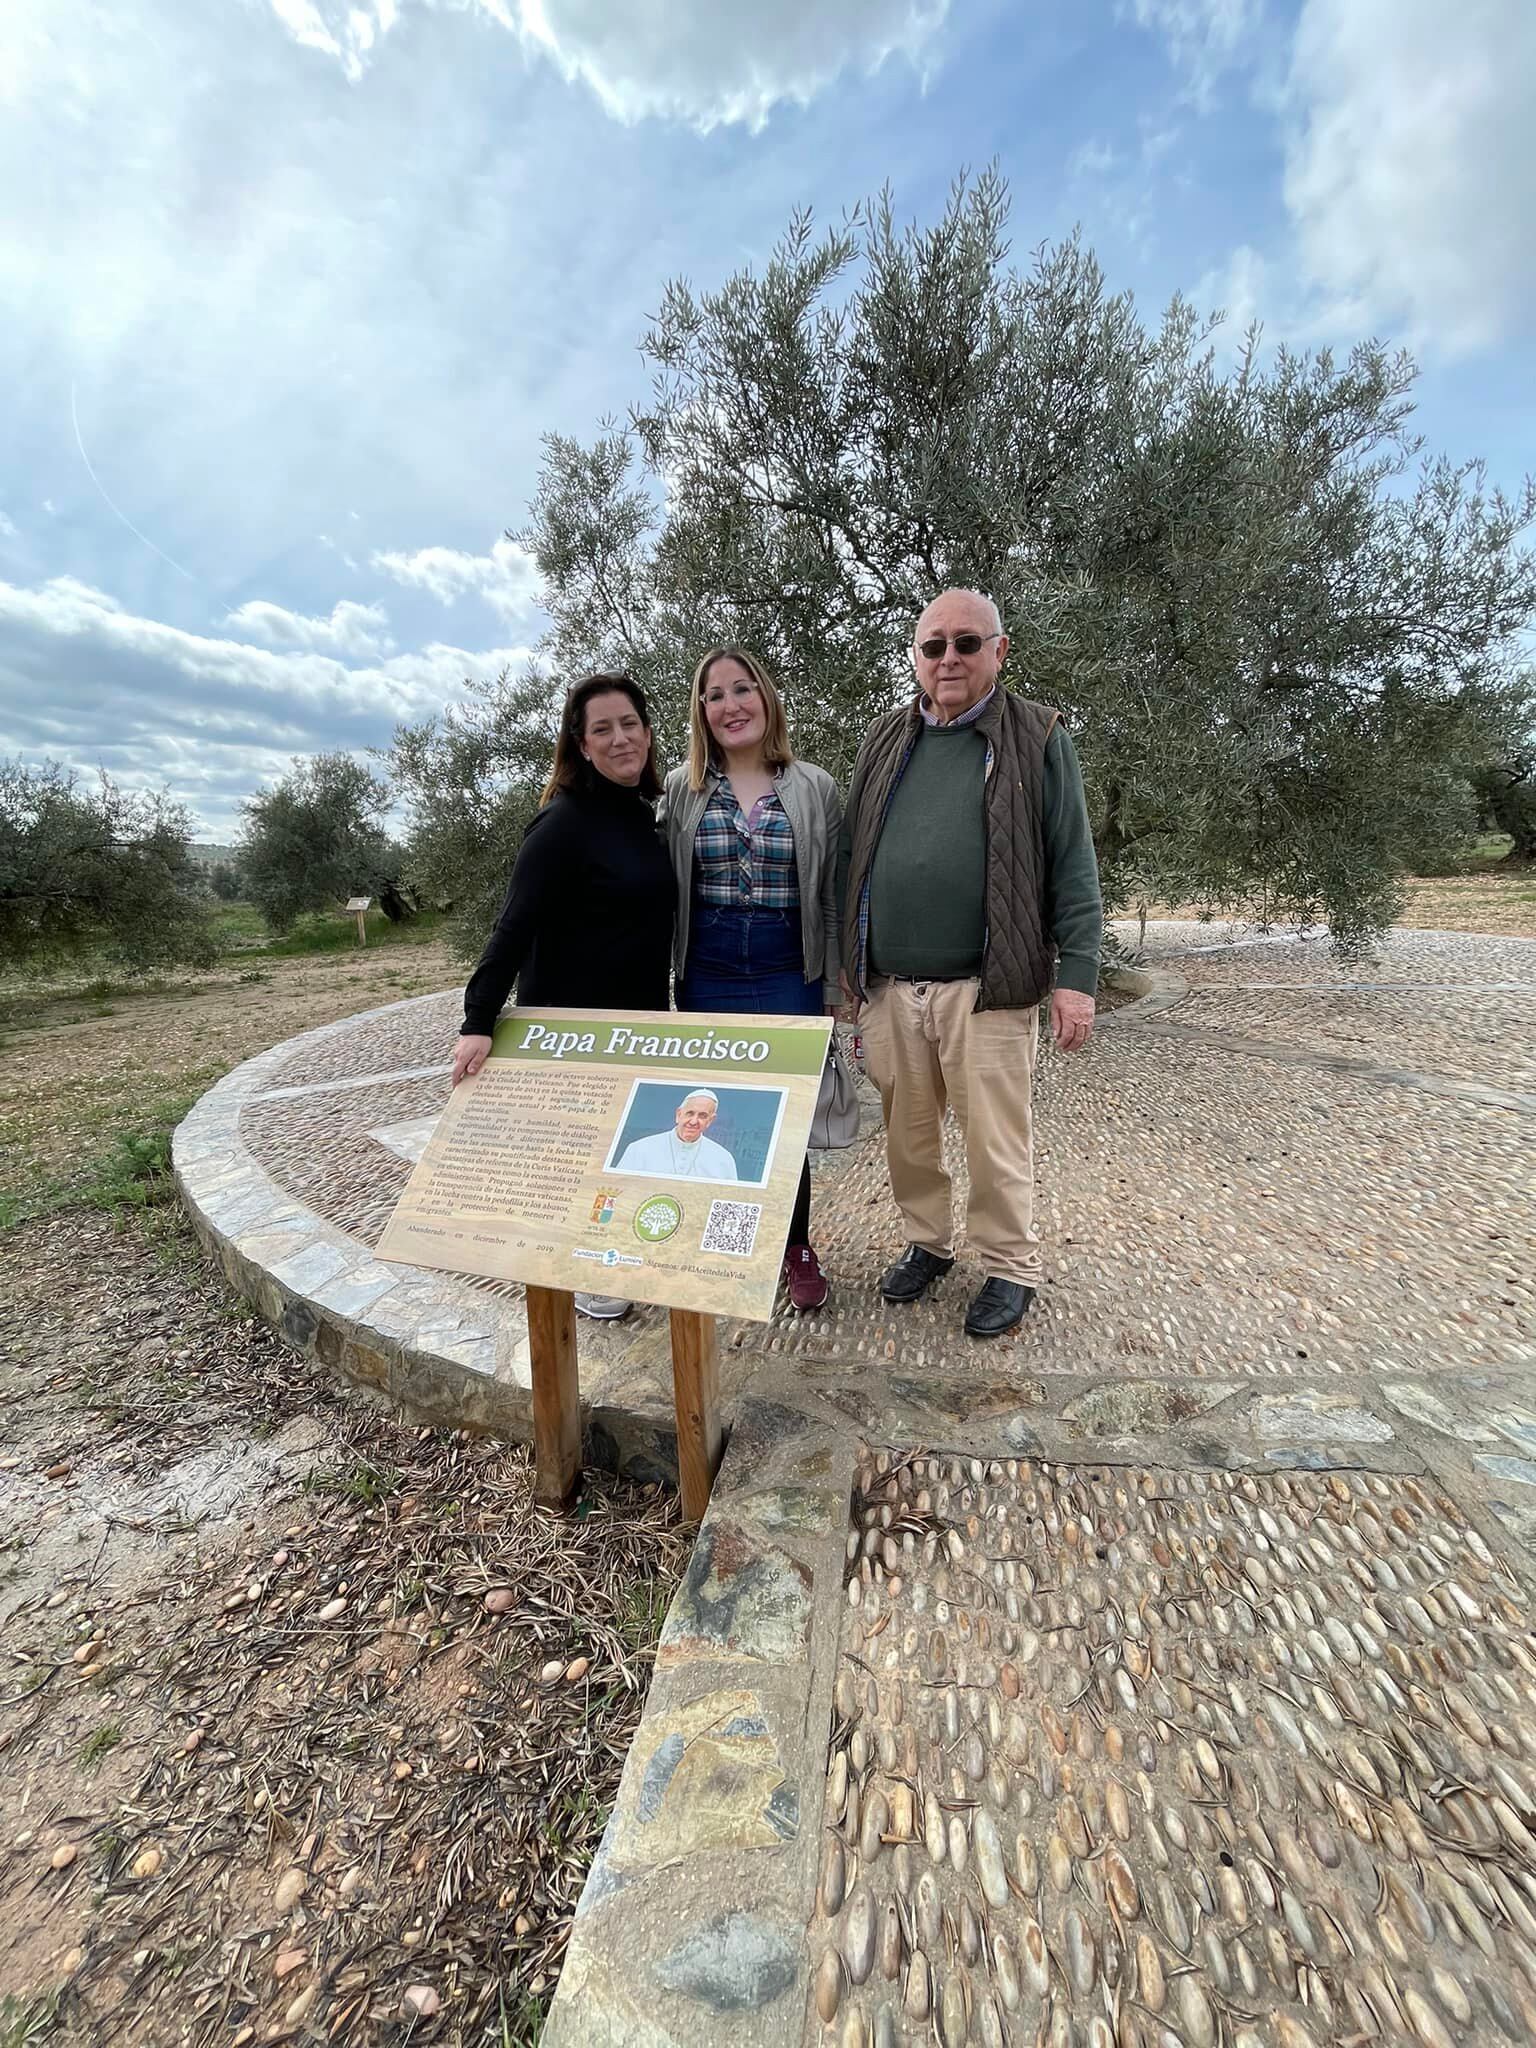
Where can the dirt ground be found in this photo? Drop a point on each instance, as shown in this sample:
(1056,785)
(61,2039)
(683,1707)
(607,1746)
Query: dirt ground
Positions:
(1502,902)
(309,1723)
(75,1069)
(1499,901)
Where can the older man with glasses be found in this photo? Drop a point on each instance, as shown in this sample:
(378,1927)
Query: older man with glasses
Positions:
(970,883)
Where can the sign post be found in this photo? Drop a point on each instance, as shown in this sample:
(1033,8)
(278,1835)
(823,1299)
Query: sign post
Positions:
(556,1395)
(650,1154)
(358,905)
(696,1396)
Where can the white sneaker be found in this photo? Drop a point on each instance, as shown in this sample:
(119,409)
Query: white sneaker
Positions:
(603,1308)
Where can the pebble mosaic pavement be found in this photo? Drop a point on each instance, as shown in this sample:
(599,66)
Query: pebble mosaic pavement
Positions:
(1162,1676)
(1205,1210)
(1132,1756)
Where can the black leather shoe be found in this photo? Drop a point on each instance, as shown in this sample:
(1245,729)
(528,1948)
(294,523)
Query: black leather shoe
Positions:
(999,1305)
(913,1274)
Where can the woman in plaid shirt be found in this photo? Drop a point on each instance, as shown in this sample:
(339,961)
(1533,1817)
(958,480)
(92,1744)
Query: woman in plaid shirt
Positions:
(753,837)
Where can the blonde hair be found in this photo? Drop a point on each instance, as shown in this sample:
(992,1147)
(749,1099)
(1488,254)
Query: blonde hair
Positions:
(703,754)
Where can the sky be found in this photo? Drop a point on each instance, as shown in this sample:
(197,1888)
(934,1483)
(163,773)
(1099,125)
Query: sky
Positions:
(291,289)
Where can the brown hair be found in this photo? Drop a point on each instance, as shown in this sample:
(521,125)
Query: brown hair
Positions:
(703,754)
(571,770)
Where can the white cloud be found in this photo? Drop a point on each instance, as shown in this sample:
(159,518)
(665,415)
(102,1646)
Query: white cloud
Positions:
(349,42)
(85,680)
(350,629)
(1245,290)
(1093,159)
(507,578)
(8,528)
(1411,163)
(65,609)
(698,61)
(1204,37)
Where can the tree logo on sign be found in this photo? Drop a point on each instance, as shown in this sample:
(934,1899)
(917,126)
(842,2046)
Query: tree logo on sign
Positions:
(657,1219)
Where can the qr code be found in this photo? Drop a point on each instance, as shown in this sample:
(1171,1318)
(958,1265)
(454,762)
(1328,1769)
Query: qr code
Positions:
(732,1227)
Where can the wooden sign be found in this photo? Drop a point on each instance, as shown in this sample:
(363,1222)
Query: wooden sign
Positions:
(654,1155)
(358,905)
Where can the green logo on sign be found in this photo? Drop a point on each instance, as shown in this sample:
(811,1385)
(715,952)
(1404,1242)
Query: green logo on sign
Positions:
(657,1218)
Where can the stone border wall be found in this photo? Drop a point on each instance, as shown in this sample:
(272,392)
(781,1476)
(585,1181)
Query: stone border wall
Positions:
(692,1924)
(424,1343)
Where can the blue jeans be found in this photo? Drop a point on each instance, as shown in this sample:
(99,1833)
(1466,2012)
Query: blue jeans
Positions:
(747,960)
(752,961)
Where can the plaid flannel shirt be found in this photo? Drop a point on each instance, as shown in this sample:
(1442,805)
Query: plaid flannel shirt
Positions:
(745,863)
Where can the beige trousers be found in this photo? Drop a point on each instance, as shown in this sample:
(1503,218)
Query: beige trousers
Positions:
(927,1046)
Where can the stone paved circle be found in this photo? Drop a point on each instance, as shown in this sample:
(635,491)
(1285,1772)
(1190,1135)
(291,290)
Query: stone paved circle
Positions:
(1162,1676)
(1276,1169)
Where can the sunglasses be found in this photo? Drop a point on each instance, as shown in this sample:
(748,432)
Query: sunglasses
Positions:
(964,643)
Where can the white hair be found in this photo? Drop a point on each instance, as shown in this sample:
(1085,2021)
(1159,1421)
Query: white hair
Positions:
(700,1095)
(980,597)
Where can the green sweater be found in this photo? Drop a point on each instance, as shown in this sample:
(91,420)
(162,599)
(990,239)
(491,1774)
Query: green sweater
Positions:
(927,884)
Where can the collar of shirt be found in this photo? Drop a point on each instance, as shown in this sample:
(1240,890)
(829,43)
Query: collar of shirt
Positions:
(931,717)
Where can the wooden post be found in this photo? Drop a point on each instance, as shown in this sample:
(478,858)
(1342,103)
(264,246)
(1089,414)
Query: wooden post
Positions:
(696,1392)
(556,1395)
(362,927)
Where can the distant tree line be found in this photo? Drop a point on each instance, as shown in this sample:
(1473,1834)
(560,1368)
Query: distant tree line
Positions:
(86,867)
(1288,643)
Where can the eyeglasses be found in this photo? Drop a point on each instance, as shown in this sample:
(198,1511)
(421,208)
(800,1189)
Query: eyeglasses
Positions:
(964,643)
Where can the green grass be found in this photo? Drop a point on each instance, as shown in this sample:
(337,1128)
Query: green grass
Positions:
(366,1483)
(522,2022)
(1488,851)
(320,932)
(641,1613)
(135,1172)
(99,1745)
(236,926)
(28,2018)
(239,928)
(129,1175)
(240,935)
(1484,854)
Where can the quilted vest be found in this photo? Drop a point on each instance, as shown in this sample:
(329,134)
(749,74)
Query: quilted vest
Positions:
(1018,959)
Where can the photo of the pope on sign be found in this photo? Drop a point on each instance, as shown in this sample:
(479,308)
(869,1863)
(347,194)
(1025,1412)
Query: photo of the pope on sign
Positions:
(672,1132)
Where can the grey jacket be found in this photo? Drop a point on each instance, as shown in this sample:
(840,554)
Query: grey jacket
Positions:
(815,812)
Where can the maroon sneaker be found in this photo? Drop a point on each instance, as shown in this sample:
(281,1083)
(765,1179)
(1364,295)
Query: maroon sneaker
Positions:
(803,1275)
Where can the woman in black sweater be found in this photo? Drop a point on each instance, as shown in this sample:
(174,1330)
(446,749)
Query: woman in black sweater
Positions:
(588,918)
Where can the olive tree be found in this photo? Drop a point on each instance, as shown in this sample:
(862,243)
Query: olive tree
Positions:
(92,868)
(470,780)
(315,838)
(1269,619)
(1504,779)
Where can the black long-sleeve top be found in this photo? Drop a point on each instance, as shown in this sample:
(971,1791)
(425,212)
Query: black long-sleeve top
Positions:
(588,917)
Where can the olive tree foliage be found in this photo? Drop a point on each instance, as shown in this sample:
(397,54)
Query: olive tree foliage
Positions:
(1268,621)
(91,868)
(315,838)
(1504,781)
(470,780)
